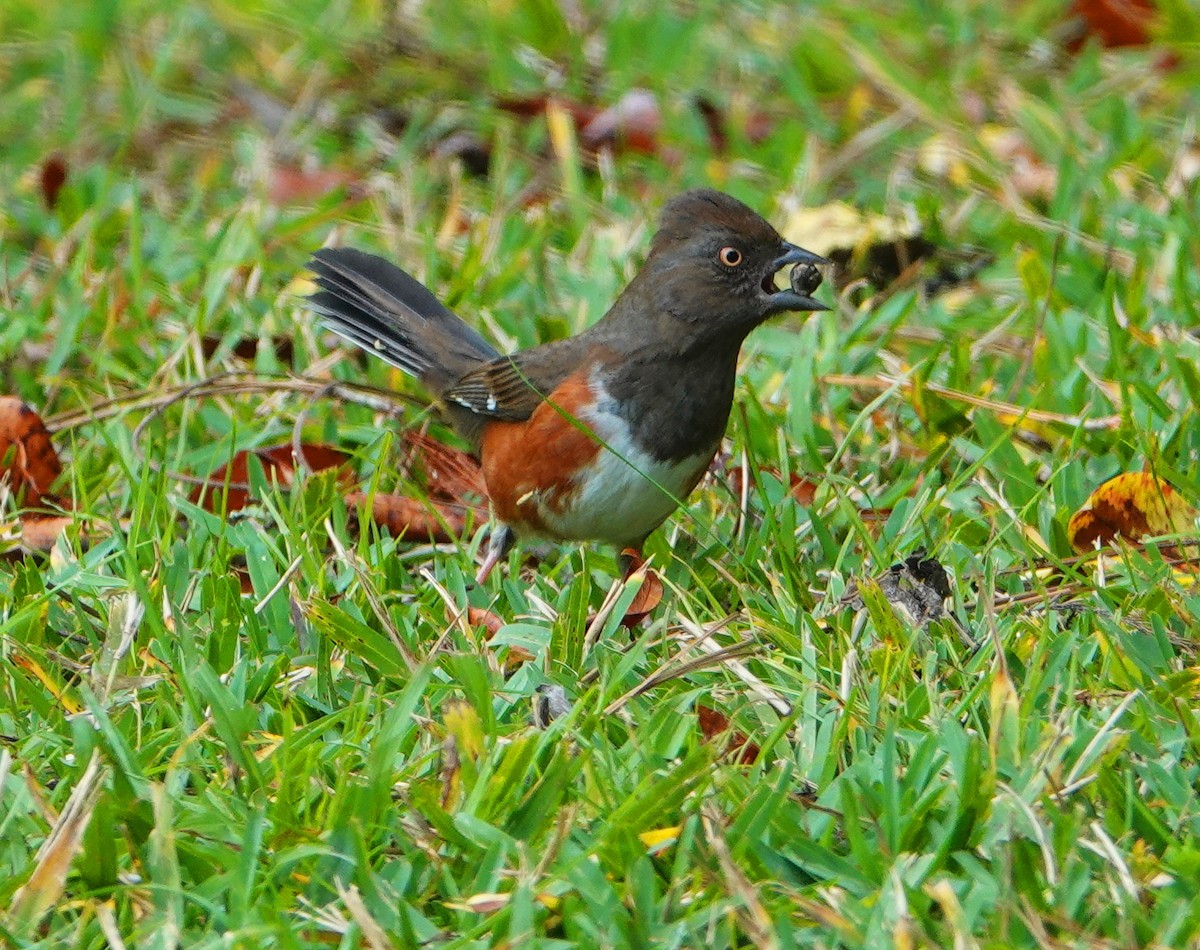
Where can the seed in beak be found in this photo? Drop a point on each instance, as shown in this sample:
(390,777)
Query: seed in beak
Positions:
(805,278)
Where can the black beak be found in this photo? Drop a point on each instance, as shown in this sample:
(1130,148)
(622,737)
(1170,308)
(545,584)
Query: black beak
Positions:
(793,299)
(796,255)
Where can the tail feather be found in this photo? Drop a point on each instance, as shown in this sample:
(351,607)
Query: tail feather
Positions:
(375,305)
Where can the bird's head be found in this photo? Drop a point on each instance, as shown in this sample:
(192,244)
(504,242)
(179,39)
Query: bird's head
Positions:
(713,262)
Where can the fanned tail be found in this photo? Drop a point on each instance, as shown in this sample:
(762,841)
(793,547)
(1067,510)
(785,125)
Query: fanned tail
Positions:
(375,305)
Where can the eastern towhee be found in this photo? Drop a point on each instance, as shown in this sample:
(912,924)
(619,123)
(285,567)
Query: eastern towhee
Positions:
(598,437)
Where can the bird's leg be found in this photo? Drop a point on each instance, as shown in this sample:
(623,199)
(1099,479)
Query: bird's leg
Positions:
(629,560)
(499,542)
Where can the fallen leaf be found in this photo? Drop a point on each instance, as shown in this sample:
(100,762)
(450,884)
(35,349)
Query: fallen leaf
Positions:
(860,244)
(755,127)
(530,107)
(278,464)
(246,348)
(714,725)
(1132,506)
(515,657)
(289,183)
(632,123)
(414,520)
(479,617)
(52,178)
(649,595)
(1113,23)
(26,455)
(40,531)
(884,251)
(449,473)
(453,487)
(840,226)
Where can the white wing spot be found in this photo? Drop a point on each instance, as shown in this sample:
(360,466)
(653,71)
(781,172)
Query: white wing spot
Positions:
(491,403)
(379,345)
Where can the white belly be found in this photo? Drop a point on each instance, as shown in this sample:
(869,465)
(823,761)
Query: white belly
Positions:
(627,493)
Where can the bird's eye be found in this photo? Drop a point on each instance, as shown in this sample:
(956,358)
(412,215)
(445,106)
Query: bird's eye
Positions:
(730,256)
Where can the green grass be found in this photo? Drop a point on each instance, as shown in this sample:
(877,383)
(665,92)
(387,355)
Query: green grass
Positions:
(335,759)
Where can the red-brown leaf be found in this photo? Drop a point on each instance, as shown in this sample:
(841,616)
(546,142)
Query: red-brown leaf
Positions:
(53,177)
(757,127)
(289,184)
(1115,22)
(412,519)
(714,725)
(479,617)
(632,123)
(246,348)
(26,455)
(449,474)
(644,601)
(277,463)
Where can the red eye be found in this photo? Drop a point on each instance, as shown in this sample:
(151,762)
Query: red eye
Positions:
(730,256)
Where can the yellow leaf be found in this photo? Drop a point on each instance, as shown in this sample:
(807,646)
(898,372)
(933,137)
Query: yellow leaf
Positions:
(659,838)
(32,666)
(464,724)
(1004,713)
(1131,506)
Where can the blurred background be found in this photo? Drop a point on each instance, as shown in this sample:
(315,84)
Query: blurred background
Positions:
(300,734)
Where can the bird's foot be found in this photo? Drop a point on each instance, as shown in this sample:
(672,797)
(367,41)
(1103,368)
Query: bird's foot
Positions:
(501,540)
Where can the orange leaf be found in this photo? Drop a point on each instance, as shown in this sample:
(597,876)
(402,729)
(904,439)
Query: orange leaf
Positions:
(1132,506)
(26,454)
(453,483)
(478,617)
(39,531)
(491,622)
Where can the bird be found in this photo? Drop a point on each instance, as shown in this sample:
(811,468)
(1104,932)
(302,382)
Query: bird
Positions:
(600,436)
